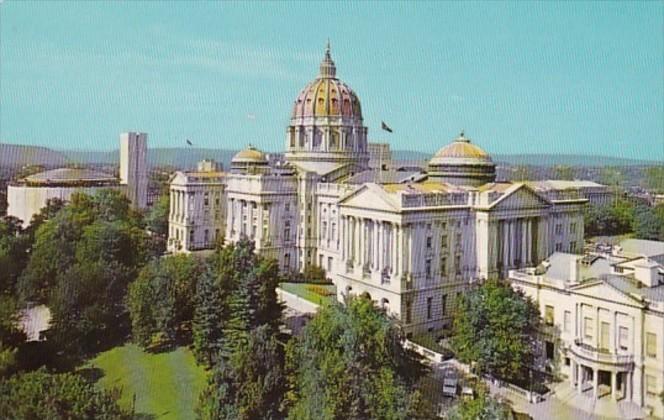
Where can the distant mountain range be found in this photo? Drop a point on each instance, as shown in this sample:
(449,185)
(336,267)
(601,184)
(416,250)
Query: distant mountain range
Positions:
(16,155)
(539,160)
(12,155)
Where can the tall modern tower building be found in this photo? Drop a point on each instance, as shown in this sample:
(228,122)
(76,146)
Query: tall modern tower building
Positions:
(133,167)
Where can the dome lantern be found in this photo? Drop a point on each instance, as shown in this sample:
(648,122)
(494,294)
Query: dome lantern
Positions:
(327,67)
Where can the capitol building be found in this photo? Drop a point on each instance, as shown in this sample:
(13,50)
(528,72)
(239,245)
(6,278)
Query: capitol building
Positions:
(413,241)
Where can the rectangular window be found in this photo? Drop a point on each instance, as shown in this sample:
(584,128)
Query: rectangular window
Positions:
(287,207)
(572,247)
(444,305)
(409,307)
(550,350)
(604,336)
(329,264)
(443,241)
(651,385)
(623,338)
(588,328)
(429,242)
(651,345)
(548,315)
(572,228)
(428,267)
(333,230)
(559,246)
(429,307)
(324,233)
(457,264)
(559,229)
(567,321)
(443,266)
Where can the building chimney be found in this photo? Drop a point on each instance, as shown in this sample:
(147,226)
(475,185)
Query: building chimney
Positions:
(574,271)
(647,272)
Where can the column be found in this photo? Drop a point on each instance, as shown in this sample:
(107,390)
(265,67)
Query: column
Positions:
(393,247)
(381,245)
(614,385)
(505,232)
(529,240)
(524,240)
(579,378)
(595,383)
(360,241)
(376,245)
(572,374)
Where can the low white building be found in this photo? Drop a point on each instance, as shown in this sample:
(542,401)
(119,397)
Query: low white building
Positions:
(604,320)
(27,196)
(597,194)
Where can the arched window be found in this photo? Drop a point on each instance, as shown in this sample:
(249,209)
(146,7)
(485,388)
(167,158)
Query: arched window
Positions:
(385,304)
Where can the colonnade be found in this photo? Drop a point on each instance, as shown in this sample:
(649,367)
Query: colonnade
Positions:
(373,244)
(582,374)
(516,244)
(179,209)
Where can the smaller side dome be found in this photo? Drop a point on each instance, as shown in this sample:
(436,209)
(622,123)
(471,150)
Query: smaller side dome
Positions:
(249,155)
(462,163)
(248,160)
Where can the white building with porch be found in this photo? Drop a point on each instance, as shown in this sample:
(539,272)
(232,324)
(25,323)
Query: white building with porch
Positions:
(604,321)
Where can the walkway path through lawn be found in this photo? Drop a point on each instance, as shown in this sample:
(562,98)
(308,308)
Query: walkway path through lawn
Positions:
(166,384)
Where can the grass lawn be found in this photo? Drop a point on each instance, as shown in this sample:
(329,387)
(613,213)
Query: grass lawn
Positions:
(166,384)
(312,292)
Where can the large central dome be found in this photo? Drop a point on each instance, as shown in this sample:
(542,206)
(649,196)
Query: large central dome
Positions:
(327,96)
(326,122)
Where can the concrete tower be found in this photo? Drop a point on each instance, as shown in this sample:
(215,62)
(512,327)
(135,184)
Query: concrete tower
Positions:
(134,167)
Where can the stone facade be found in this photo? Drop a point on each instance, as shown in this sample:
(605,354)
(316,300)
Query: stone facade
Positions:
(413,242)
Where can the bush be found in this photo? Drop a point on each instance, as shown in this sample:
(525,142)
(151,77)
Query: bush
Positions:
(320,290)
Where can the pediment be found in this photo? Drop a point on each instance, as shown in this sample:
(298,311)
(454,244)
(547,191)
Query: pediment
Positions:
(601,290)
(521,197)
(370,197)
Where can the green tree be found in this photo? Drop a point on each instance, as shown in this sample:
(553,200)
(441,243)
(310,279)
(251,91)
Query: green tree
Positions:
(495,328)
(612,219)
(209,315)
(11,337)
(87,309)
(57,239)
(564,172)
(250,384)
(161,299)
(157,218)
(483,407)
(14,247)
(42,395)
(157,222)
(349,363)
(522,173)
(654,177)
(649,222)
(245,284)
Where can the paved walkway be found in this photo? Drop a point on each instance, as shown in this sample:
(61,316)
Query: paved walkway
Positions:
(566,403)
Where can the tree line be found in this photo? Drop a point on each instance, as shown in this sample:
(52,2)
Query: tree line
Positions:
(98,266)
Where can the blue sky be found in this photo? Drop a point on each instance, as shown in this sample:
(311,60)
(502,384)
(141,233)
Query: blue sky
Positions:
(551,77)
